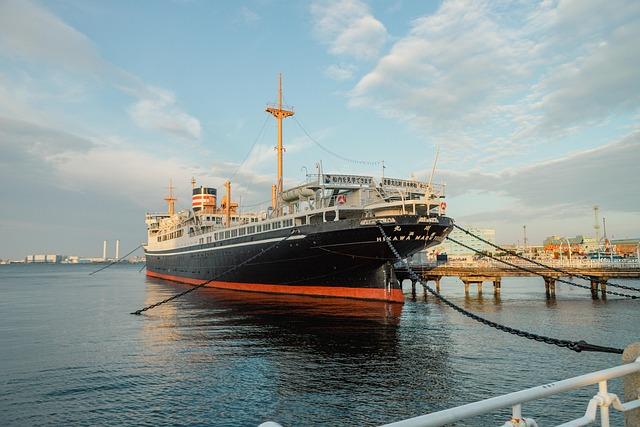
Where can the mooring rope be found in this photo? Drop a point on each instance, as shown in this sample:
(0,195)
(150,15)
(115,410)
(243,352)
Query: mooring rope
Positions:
(559,270)
(171,298)
(116,261)
(577,346)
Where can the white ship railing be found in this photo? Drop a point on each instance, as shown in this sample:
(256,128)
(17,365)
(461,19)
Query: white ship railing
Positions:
(602,401)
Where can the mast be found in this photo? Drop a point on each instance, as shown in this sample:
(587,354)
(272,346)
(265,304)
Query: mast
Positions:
(227,186)
(279,113)
(171,201)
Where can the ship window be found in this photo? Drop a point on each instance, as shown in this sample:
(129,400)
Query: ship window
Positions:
(218,220)
(259,228)
(251,229)
(276,225)
(234,233)
(158,238)
(226,234)
(243,231)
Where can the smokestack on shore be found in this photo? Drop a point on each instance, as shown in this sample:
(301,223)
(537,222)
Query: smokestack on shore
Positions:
(117,249)
(104,250)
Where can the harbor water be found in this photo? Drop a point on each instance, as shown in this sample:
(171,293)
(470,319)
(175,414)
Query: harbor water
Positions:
(72,354)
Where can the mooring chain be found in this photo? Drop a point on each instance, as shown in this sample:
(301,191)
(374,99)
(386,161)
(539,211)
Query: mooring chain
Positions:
(559,270)
(577,346)
(235,267)
(116,261)
(528,270)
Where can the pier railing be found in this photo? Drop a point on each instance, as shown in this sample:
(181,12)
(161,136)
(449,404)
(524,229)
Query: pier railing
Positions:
(579,264)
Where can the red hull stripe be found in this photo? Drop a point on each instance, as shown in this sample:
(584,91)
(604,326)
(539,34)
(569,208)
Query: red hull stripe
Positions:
(395,295)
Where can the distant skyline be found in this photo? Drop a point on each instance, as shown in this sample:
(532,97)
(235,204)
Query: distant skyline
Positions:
(535,107)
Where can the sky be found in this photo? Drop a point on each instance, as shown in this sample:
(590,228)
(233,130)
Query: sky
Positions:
(534,107)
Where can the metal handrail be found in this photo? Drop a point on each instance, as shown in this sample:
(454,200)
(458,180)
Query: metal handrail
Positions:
(515,400)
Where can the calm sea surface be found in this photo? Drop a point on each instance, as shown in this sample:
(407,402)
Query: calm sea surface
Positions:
(71,354)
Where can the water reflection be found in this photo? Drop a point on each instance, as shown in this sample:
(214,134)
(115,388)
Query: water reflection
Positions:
(316,355)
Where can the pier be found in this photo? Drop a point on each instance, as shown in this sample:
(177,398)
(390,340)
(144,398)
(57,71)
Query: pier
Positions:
(484,271)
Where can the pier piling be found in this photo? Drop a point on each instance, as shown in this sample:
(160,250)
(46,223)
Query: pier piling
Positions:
(603,287)
(550,287)
(496,286)
(594,287)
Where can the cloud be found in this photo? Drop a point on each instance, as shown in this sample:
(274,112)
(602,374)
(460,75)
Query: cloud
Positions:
(348,28)
(604,176)
(31,33)
(248,16)
(487,81)
(603,80)
(68,163)
(340,72)
(160,112)
(454,66)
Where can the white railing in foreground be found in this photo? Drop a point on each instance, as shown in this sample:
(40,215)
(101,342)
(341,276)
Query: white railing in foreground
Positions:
(603,400)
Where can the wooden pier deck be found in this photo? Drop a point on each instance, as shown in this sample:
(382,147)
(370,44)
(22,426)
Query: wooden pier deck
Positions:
(477,273)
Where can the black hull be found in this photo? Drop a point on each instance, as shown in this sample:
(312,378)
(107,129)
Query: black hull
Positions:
(341,258)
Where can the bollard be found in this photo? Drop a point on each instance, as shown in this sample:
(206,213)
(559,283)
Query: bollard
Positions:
(631,385)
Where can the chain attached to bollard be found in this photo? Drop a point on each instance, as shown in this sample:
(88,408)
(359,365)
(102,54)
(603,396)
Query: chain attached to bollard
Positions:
(577,346)
(235,267)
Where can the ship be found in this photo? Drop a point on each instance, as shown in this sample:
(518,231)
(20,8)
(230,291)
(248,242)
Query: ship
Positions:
(320,238)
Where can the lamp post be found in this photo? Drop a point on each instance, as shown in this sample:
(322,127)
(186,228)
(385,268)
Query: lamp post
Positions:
(569,245)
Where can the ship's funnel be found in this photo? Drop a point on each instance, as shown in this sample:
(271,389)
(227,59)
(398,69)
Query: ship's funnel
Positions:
(104,250)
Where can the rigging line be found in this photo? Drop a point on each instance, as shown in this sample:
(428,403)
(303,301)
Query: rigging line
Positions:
(255,141)
(116,261)
(559,270)
(333,153)
(516,266)
(149,307)
(255,204)
(577,346)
